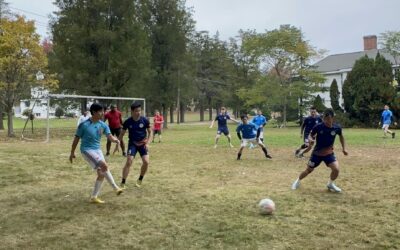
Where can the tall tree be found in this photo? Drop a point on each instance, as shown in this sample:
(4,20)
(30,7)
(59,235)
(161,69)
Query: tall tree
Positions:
(390,42)
(335,96)
(367,88)
(100,47)
(21,57)
(4,12)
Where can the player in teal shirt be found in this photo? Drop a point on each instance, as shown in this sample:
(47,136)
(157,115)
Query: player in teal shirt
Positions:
(90,132)
(386,120)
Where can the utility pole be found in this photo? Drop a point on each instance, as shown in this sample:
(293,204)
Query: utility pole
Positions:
(178,104)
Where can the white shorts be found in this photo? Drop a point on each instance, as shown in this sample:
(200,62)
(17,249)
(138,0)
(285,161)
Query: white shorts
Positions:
(385,126)
(93,157)
(252,140)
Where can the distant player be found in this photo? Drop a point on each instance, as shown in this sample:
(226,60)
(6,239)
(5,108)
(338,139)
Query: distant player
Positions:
(90,132)
(308,124)
(260,121)
(114,118)
(85,115)
(139,134)
(324,134)
(222,119)
(386,120)
(248,132)
(158,122)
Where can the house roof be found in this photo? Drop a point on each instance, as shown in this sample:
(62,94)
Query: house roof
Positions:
(344,62)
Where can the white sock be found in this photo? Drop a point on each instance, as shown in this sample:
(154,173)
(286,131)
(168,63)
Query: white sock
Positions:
(110,179)
(97,187)
(330,182)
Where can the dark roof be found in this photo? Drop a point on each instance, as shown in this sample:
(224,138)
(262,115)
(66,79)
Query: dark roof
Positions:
(346,61)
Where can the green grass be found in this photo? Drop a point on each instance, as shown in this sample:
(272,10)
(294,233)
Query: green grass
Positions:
(197,197)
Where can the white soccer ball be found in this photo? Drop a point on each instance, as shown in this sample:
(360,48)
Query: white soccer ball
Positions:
(266,206)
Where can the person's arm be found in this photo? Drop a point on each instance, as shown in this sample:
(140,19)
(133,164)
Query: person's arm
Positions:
(239,136)
(149,134)
(302,129)
(212,124)
(341,137)
(73,147)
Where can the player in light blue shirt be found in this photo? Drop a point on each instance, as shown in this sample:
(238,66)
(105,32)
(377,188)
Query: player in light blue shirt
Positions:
(90,132)
(248,132)
(260,121)
(386,120)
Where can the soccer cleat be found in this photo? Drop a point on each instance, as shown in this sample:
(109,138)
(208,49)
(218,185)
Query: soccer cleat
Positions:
(123,154)
(297,152)
(393,135)
(268,156)
(333,188)
(108,154)
(118,191)
(138,183)
(231,145)
(96,200)
(296,184)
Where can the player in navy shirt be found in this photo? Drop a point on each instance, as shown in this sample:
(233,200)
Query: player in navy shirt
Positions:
(324,134)
(139,136)
(306,127)
(386,120)
(248,132)
(222,119)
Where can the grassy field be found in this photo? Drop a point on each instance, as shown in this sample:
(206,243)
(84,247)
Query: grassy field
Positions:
(197,197)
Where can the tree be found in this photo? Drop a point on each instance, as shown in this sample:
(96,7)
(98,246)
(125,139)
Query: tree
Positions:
(335,96)
(319,104)
(4,12)
(59,112)
(390,41)
(367,88)
(283,56)
(21,56)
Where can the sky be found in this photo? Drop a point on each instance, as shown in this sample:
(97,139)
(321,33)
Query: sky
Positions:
(337,26)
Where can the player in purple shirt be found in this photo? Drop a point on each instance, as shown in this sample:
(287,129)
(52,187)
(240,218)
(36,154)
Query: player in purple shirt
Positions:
(324,135)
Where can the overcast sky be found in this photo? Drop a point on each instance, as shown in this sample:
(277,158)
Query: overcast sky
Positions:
(335,25)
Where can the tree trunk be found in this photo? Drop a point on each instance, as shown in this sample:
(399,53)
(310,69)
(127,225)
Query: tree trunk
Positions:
(209,110)
(165,115)
(83,105)
(171,113)
(1,118)
(284,112)
(182,112)
(10,123)
(201,111)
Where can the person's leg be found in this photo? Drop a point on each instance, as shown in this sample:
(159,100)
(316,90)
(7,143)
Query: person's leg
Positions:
(108,146)
(229,140)
(126,169)
(334,166)
(117,133)
(264,149)
(311,165)
(239,154)
(217,138)
(143,169)
(104,170)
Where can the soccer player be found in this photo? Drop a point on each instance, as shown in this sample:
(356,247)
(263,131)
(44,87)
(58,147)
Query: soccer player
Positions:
(386,120)
(85,115)
(324,134)
(90,132)
(114,118)
(158,122)
(308,124)
(139,136)
(222,119)
(260,121)
(248,132)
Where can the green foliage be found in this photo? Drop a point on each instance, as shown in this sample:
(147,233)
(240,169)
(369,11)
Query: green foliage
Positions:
(319,104)
(27,112)
(367,88)
(390,41)
(335,96)
(59,112)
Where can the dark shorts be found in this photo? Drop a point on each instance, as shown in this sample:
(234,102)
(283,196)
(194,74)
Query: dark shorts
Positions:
(225,131)
(133,149)
(156,131)
(315,160)
(115,131)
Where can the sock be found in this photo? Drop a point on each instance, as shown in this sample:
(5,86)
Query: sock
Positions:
(303,146)
(265,151)
(239,155)
(123,181)
(110,179)
(97,187)
(330,182)
(141,177)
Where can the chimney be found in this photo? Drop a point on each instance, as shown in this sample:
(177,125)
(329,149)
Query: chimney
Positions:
(370,42)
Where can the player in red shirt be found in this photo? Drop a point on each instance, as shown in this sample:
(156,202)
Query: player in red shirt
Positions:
(158,122)
(114,118)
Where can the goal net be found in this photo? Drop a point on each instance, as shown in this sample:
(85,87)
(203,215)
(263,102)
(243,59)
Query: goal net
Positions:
(56,116)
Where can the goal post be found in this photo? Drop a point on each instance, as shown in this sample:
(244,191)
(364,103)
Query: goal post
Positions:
(52,99)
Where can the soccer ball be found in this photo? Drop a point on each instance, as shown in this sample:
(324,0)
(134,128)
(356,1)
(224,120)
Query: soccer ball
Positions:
(266,206)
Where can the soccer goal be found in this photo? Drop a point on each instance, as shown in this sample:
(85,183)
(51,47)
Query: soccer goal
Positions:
(63,111)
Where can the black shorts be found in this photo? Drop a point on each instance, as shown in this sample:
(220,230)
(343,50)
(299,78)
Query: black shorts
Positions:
(156,131)
(115,131)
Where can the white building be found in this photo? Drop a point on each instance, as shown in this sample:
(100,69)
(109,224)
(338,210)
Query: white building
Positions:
(339,65)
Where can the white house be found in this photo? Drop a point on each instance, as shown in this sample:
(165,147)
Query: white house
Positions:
(339,65)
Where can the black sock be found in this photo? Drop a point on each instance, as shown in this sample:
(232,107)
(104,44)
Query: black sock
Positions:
(123,181)
(265,151)
(239,155)
(141,177)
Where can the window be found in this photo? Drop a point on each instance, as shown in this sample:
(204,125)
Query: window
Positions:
(37,114)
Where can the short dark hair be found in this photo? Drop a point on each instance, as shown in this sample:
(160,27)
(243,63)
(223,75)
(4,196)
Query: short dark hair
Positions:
(243,116)
(329,112)
(135,105)
(95,107)
(313,108)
